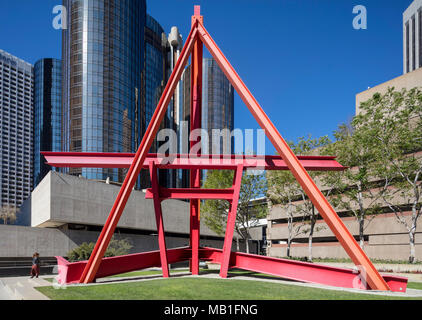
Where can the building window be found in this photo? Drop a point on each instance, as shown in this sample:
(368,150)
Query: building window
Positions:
(407,48)
(413,43)
(420,37)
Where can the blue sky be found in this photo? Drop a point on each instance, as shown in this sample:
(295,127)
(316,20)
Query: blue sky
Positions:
(302,59)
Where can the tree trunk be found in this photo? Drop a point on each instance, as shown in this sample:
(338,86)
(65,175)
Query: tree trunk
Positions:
(412,247)
(361,233)
(289,242)
(412,231)
(247,245)
(237,244)
(311,234)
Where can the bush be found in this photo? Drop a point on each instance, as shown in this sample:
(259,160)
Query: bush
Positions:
(116,248)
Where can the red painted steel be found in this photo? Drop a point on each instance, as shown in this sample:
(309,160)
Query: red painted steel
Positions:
(207,162)
(191,193)
(71,272)
(97,267)
(348,242)
(288,269)
(231,222)
(299,271)
(159,220)
(103,241)
(195,123)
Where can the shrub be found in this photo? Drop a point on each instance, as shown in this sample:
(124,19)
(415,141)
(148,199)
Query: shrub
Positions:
(116,248)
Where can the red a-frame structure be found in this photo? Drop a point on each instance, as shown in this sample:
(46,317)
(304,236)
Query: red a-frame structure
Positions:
(97,266)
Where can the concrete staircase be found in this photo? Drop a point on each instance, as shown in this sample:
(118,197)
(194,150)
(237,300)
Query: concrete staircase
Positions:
(22,288)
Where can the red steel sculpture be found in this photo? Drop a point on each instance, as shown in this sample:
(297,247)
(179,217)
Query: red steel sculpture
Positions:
(97,266)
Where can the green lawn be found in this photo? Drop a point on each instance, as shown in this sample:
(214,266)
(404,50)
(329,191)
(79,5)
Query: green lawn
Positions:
(415,285)
(204,289)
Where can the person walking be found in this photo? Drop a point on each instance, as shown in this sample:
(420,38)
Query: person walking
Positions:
(35,270)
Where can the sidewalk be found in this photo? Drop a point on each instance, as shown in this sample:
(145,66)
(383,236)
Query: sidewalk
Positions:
(22,288)
(411,271)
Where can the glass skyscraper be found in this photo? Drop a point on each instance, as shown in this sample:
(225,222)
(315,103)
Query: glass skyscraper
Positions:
(155,65)
(217,107)
(47,113)
(103,80)
(217,102)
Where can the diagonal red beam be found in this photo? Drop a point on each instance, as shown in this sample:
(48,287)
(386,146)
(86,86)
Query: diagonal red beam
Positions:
(124,160)
(337,226)
(103,241)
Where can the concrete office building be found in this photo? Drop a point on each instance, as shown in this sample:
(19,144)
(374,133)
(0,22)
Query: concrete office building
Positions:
(412,37)
(103,62)
(47,113)
(385,238)
(64,211)
(16,129)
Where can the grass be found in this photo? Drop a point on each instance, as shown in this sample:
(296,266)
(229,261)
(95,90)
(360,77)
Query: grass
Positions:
(415,285)
(346,260)
(206,289)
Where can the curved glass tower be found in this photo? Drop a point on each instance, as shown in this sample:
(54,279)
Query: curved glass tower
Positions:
(103,82)
(155,65)
(47,113)
(217,101)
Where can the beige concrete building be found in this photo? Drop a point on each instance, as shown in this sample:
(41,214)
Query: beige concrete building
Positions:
(385,238)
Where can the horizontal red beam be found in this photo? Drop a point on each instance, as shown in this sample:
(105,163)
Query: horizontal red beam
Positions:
(287,269)
(192,193)
(297,270)
(124,160)
(71,272)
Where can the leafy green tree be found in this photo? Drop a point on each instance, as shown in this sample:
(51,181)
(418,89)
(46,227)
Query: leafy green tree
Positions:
(284,189)
(354,187)
(215,212)
(391,125)
(115,248)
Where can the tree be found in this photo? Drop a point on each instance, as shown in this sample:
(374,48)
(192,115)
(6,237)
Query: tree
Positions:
(215,211)
(115,248)
(392,125)
(285,190)
(8,214)
(355,190)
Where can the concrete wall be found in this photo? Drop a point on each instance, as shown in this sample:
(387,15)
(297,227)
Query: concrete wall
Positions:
(407,81)
(63,199)
(21,242)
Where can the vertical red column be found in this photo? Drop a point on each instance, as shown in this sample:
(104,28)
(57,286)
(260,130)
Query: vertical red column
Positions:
(195,123)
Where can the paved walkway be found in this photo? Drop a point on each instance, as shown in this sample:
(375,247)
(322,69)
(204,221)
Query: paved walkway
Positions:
(22,288)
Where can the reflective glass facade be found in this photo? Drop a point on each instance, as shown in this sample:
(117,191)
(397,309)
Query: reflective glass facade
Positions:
(47,113)
(217,105)
(217,99)
(155,65)
(103,65)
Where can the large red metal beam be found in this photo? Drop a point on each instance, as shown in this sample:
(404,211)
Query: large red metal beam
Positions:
(195,123)
(287,269)
(159,220)
(71,272)
(206,162)
(103,241)
(231,222)
(336,225)
(191,193)
(299,271)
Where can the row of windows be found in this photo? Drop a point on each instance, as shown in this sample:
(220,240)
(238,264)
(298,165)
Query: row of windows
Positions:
(414,45)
